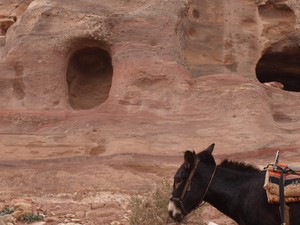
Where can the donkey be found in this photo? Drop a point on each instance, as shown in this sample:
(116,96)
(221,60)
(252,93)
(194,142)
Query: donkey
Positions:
(234,188)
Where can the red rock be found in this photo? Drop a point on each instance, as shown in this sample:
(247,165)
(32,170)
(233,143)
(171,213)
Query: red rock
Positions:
(99,100)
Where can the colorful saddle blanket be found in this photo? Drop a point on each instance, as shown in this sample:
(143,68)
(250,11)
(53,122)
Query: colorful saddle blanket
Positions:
(291,184)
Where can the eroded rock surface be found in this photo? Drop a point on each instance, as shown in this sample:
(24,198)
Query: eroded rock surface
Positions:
(99,99)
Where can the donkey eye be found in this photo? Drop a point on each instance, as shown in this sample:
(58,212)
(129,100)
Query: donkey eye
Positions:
(177,183)
(178,180)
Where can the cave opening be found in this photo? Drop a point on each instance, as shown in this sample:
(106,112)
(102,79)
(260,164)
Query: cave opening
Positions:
(5,23)
(283,67)
(89,77)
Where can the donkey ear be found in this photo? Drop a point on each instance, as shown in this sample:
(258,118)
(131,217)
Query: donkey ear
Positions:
(189,158)
(206,155)
(210,148)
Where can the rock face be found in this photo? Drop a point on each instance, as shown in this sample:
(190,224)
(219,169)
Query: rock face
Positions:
(92,89)
(189,59)
(104,55)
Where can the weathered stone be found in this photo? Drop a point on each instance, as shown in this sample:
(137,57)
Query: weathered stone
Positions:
(2,206)
(69,224)
(6,219)
(51,219)
(88,49)
(212,223)
(22,209)
(115,223)
(22,206)
(69,215)
(17,201)
(101,97)
(38,223)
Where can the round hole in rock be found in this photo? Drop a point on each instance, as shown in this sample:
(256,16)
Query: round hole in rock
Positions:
(283,67)
(89,77)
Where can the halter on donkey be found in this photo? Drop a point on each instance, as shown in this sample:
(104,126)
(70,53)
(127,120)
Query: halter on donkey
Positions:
(189,182)
(193,166)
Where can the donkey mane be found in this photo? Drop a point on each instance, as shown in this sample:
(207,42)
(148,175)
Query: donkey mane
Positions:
(240,166)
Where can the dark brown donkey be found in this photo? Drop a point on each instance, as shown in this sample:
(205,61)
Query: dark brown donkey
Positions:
(235,189)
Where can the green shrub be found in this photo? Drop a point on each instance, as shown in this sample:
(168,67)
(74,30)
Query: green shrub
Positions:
(6,211)
(29,218)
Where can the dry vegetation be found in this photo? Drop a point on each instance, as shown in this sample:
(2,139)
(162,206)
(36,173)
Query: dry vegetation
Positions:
(153,209)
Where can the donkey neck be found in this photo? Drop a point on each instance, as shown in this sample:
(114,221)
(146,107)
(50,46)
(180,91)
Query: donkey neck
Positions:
(225,188)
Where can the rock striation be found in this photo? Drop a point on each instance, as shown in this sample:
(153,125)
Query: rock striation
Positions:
(92,88)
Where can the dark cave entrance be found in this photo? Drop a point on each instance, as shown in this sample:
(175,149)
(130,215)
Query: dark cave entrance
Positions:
(89,77)
(283,67)
(5,23)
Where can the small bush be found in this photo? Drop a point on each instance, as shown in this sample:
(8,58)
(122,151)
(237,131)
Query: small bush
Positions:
(29,218)
(153,209)
(6,211)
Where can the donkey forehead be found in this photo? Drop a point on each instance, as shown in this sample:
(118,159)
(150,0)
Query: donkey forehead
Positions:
(182,172)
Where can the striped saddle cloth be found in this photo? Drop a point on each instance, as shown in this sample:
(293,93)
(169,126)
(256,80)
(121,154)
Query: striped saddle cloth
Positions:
(291,183)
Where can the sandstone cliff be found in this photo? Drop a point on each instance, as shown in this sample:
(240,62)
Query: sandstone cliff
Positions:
(105,82)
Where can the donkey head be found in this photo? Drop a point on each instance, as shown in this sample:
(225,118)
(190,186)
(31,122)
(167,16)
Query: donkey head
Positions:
(191,182)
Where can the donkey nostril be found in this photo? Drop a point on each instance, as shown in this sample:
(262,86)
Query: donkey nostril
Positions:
(174,212)
(175,216)
(178,217)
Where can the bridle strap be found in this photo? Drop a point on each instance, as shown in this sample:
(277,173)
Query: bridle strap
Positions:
(211,178)
(209,183)
(189,181)
(180,200)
